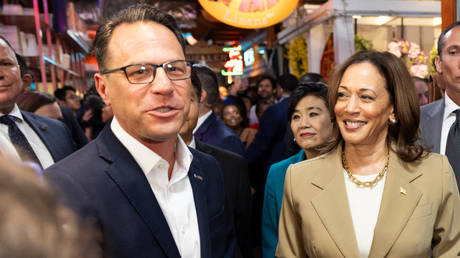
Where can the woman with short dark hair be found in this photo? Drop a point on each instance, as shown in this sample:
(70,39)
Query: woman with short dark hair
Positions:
(312,127)
(377,193)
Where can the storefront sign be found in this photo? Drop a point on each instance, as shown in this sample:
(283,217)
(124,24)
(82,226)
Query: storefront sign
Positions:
(249,14)
(234,66)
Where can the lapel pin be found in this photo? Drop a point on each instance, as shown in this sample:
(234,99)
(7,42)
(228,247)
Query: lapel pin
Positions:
(198,177)
(402,190)
(42,127)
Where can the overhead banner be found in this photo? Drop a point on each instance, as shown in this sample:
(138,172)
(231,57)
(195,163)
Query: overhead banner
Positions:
(249,14)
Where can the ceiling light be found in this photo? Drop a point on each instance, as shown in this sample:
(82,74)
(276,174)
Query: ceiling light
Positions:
(437,21)
(383,19)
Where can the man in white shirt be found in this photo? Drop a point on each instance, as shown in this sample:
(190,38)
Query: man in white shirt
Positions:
(142,187)
(439,121)
(23,135)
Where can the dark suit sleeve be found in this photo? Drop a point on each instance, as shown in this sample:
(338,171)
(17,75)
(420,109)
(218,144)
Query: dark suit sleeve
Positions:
(71,193)
(233,144)
(221,224)
(73,196)
(77,133)
(243,211)
(264,137)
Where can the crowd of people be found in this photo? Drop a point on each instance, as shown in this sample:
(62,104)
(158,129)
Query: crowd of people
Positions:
(151,162)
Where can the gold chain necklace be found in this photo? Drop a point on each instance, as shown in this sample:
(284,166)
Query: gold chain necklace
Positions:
(367,183)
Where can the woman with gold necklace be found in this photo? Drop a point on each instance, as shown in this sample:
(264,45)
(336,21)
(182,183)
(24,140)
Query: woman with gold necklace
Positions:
(377,193)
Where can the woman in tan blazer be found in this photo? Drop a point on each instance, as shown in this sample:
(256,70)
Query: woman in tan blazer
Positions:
(377,193)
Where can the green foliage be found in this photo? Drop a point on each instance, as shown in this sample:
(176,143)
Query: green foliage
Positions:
(362,44)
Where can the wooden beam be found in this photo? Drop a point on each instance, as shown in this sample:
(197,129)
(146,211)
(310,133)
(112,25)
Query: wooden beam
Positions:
(448,12)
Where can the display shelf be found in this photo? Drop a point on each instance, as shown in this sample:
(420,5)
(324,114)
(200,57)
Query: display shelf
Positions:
(52,62)
(60,58)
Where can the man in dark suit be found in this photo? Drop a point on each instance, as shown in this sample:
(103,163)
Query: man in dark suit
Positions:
(24,135)
(77,133)
(210,129)
(235,171)
(137,182)
(440,120)
(269,146)
(68,118)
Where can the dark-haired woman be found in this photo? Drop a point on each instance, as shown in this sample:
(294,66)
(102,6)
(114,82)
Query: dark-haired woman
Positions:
(376,193)
(234,116)
(40,103)
(311,125)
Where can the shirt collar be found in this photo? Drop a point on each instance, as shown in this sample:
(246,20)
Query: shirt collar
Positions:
(201,120)
(192,143)
(148,159)
(449,106)
(16,113)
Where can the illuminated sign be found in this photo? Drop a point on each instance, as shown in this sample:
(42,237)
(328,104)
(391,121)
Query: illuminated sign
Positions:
(249,14)
(249,57)
(234,66)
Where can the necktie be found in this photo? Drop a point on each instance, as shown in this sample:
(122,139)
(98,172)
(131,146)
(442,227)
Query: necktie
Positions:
(19,141)
(453,146)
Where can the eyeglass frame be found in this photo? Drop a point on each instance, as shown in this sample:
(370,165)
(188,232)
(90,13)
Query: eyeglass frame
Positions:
(156,66)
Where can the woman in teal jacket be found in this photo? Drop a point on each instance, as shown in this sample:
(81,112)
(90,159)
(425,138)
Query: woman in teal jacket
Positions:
(312,126)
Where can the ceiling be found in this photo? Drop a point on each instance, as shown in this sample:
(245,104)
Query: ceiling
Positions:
(188,13)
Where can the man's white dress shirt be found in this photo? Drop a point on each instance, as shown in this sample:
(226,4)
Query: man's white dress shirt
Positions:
(7,149)
(201,120)
(447,121)
(175,195)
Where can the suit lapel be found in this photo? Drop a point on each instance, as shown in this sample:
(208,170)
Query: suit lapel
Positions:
(198,180)
(41,130)
(130,179)
(399,200)
(434,125)
(200,134)
(332,207)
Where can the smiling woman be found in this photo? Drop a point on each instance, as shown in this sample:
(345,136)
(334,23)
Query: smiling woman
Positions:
(376,193)
(312,127)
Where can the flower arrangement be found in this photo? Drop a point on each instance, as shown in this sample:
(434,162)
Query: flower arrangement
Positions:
(433,54)
(417,59)
(298,56)
(362,43)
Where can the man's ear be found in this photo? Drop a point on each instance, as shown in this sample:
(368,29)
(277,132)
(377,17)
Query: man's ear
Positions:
(101,87)
(437,63)
(27,81)
(204,95)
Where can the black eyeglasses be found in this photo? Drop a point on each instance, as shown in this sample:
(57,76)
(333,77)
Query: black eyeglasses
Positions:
(144,73)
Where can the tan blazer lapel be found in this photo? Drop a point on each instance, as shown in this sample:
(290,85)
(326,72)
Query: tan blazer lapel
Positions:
(332,207)
(399,200)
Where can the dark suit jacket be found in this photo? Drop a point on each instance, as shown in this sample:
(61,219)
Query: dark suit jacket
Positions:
(236,182)
(431,124)
(213,131)
(69,119)
(269,145)
(102,181)
(53,133)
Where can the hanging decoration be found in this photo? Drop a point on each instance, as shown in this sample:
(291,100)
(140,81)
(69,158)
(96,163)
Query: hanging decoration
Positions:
(415,59)
(298,56)
(328,59)
(249,14)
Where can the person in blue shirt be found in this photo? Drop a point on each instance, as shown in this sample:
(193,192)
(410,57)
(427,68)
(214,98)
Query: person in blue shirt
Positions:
(311,125)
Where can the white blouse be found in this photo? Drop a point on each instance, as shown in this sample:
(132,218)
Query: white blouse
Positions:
(364,205)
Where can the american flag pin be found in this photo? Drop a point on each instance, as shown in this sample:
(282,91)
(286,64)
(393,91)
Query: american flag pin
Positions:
(198,177)
(402,190)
